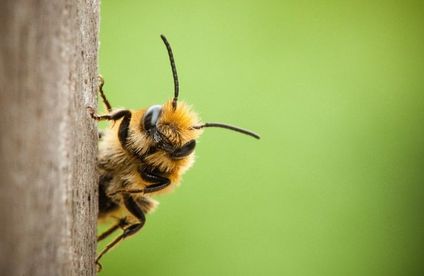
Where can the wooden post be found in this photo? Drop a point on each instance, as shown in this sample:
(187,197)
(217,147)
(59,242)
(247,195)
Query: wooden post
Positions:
(48,144)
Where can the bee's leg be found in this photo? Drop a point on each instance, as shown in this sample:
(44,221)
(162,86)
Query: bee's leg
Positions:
(159,183)
(102,94)
(136,211)
(121,224)
(115,115)
(127,191)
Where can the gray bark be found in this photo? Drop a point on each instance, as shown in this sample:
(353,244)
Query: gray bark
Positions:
(48,142)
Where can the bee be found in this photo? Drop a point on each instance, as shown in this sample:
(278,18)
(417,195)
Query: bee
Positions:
(142,154)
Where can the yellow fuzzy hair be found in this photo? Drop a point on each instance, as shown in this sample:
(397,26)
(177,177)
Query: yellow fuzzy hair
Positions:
(176,125)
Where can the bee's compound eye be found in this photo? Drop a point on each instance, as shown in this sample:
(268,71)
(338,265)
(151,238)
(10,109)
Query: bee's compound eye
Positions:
(151,117)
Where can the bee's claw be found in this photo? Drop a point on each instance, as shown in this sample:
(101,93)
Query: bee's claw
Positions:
(99,266)
(92,112)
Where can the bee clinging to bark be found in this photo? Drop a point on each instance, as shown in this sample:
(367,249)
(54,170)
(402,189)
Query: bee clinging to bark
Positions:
(144,153)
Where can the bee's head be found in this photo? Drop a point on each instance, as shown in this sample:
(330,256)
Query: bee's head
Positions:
(174,127)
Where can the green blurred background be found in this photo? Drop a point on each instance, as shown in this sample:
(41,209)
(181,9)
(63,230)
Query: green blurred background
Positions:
(335,88)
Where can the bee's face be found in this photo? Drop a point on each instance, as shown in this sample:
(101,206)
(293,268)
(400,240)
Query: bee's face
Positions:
(172,130)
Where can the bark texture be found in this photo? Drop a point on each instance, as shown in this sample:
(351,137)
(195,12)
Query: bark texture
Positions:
(48,142)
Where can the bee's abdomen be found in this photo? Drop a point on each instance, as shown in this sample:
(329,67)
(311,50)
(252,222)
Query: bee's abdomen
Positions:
(106,204)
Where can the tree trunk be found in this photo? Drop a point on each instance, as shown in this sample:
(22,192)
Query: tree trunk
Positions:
(48,144)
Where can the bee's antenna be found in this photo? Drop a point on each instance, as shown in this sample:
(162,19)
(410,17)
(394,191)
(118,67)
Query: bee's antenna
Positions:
(174,71)
(233,128)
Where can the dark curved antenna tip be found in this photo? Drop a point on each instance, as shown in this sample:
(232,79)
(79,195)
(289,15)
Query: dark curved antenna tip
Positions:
(233,128)
(174,71)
